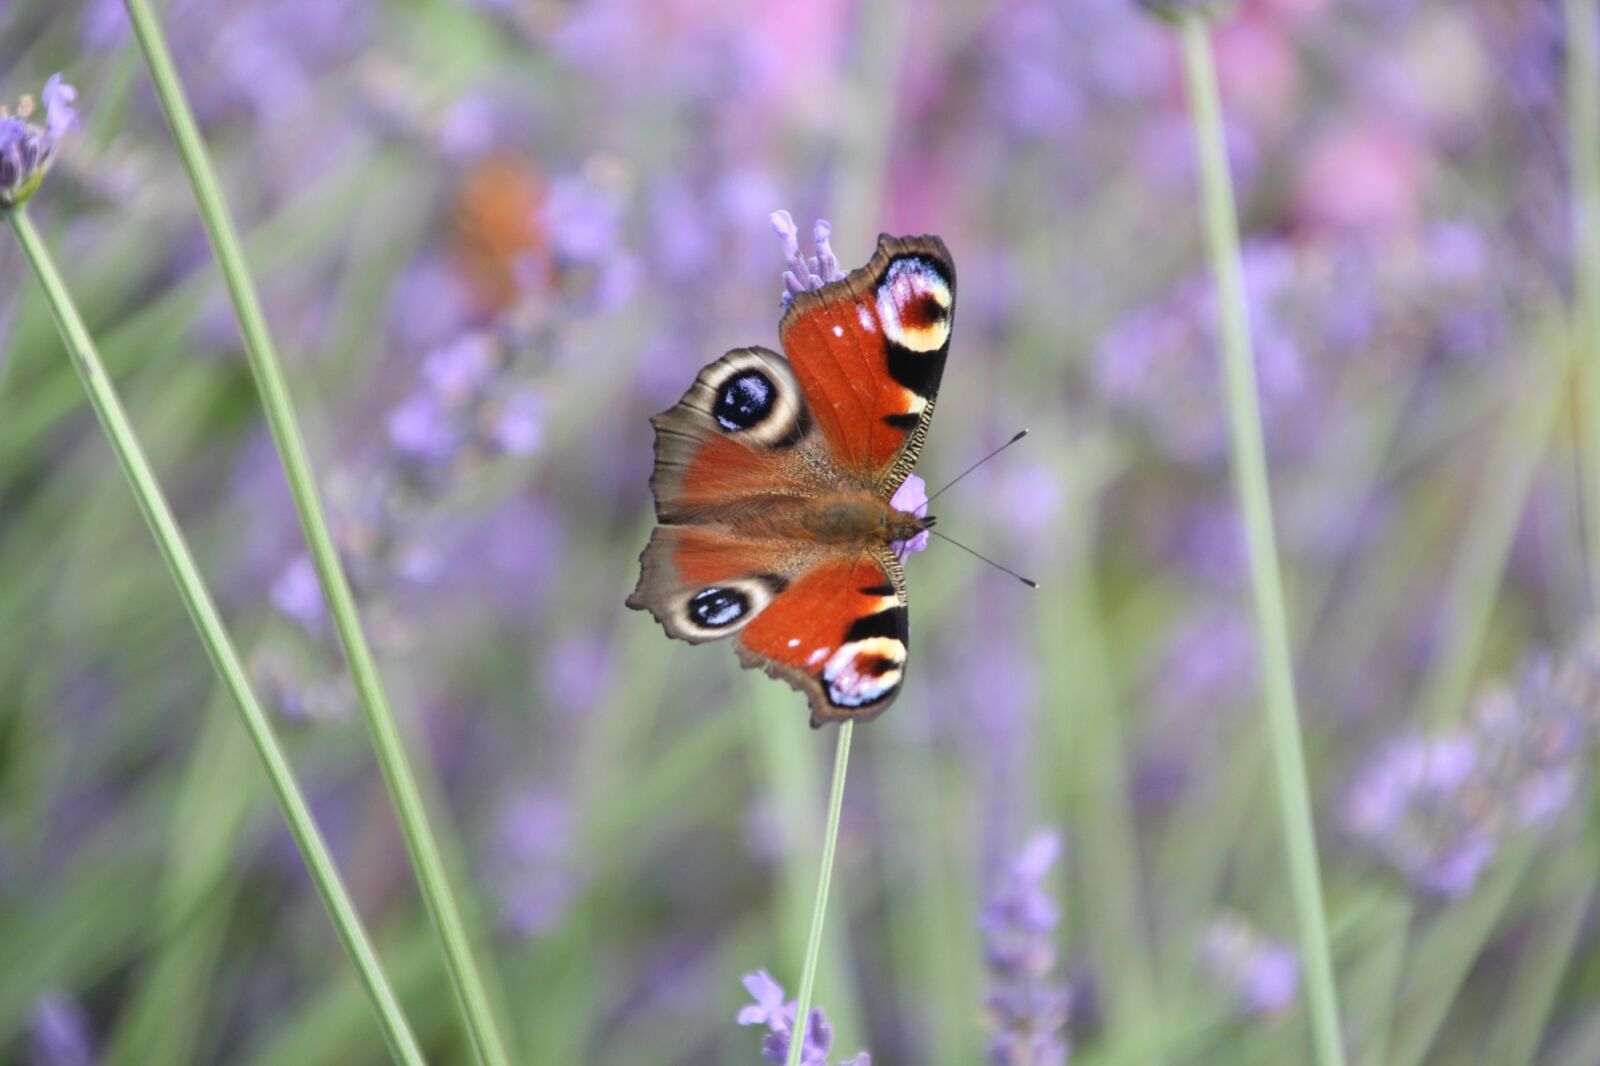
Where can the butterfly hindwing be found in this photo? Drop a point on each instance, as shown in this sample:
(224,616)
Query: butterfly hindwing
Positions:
(868,353)
(837,632)
(833,625)
(703,584)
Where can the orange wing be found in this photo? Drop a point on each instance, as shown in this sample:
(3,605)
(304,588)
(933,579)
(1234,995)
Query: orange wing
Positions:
(869,351)
(832,625)
(743,431)
(839,633)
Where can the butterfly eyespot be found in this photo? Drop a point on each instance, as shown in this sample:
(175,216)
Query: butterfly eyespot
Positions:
(746,400)
(711,612)
(914,302)
(864,671)
(752,395)
(716,608)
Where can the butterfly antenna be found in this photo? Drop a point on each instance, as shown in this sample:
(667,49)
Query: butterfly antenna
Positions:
(1028,581)
(951,483)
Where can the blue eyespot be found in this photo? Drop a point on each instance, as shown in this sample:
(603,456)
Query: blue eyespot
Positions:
(715,608)
(746,399)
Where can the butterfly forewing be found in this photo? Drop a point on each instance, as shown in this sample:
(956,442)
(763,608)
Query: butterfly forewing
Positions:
(869,353)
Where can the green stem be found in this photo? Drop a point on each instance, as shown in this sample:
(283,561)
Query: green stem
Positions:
(488,1045)
(830,839)
(1255,501)
(324,874)
(1583,140)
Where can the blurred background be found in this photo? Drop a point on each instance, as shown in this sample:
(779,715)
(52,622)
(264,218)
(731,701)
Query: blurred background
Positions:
(494,237)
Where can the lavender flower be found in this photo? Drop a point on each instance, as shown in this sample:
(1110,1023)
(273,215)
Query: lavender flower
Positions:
(463,410)
(60,1034)
(1439,808)
(532,867)
(1028,1009)
(1161,365)
(297,594)
(583,218)
(772,1010)
(1416,804)
(805,275)
(1260,975)
(912,495)
(26,148)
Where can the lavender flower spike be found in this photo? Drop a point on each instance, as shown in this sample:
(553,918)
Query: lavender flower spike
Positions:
(1440,808)
(768,1006)
(1260,975)
(912,495)
(1028,1009)
(26,148)
(770,1009)
(805,274)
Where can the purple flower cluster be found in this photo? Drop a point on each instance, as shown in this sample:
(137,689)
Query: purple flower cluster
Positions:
(912,495)
(27,148)
(1027,1007)
(60,1034)
(471,405)
(1260,975)
(465,410)
(772,1010)
(1439,808)
(805,274)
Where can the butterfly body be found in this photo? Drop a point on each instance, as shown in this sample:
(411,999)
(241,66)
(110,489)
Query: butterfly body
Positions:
(857,519)
(775,481)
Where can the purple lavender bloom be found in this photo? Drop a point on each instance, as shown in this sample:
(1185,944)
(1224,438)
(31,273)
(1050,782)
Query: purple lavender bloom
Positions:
(768,1008)
(1027,1007)
(1536,740)
(583,216)
(1410,805)
(578,670)
(1162,365)
(26,148)
(460,369)
(422,431)
(431,305)
(1260,975)
(297,594)
(468,128)
(1439,808)
(772,1010)
(912,495)
(532,868)
(58,97)
(59,1034)
(805,275)
(518,424)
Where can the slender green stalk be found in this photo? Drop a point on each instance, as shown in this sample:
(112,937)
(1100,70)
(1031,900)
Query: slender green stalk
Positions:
(1255,501)
(219,646)
(830,840)
(488,1045)
(1583,141)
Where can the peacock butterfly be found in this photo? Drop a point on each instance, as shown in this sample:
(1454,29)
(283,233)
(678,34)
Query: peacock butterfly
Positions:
(774,477)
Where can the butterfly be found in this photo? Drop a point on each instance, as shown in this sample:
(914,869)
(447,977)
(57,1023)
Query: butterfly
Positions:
(773,480)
